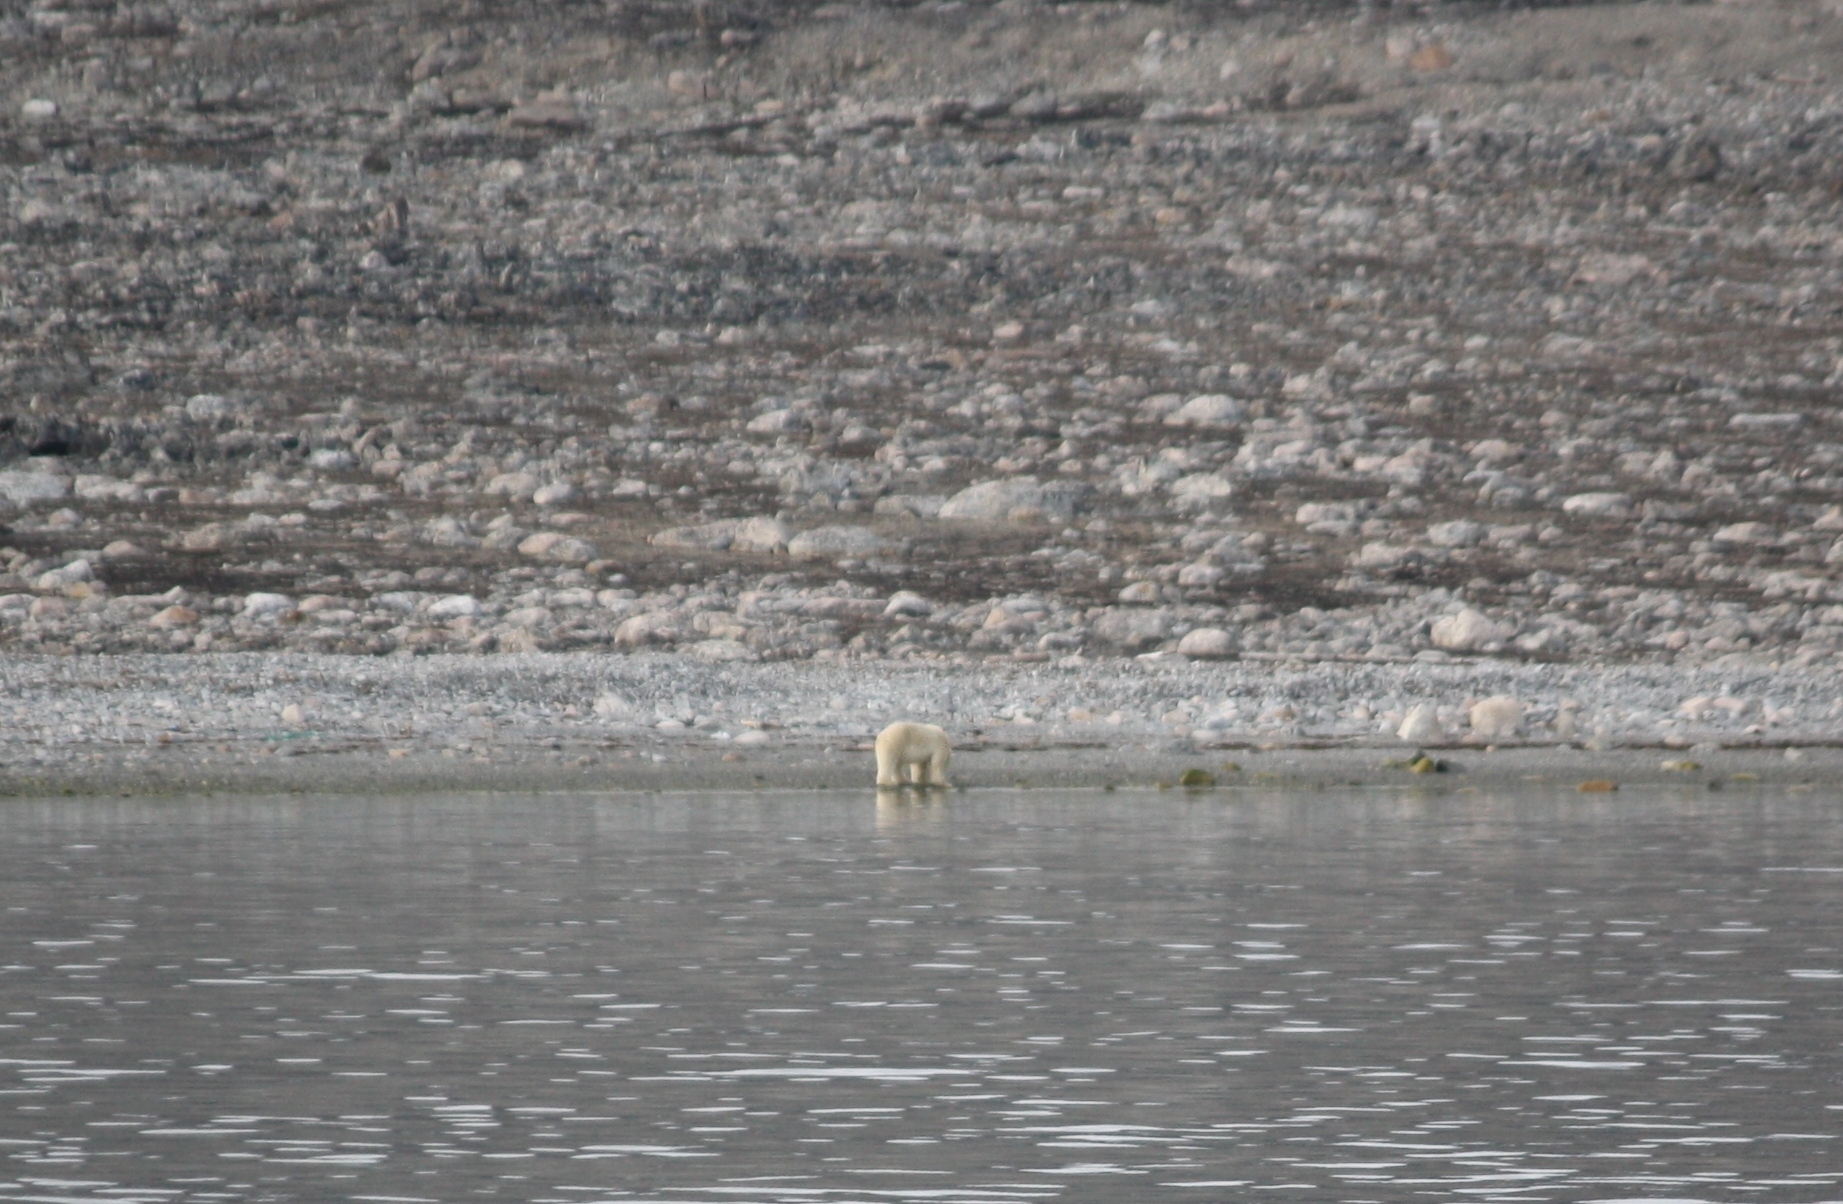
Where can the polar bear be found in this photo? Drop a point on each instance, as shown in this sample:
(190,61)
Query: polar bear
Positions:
(912,754)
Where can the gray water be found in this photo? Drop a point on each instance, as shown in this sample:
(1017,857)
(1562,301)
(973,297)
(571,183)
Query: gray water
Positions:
(998,997)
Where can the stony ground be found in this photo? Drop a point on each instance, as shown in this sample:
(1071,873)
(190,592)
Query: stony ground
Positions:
(777,332)
(656,720)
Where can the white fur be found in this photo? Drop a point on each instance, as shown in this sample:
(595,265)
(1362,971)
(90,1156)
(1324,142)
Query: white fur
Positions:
(912,754)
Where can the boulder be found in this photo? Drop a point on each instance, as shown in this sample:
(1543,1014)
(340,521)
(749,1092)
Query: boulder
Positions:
(1598,505)
(174,616)
(721,651)
(1015,499)
(1133,629)
(704,537)
(832,543)
(1200,490)
(904,604)
(259,604)
(1208,643)
(653,627)
(455,606)
(1497,717)
(1461,533)
(609,705)
(1746,535)
(994,501)
(760,535)
(1421,726)
(27,487)
(551,545)
(518,486)
(1468,631)
(776,422)
(1211,409)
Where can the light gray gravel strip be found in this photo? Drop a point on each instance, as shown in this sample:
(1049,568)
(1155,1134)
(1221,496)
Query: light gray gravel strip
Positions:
(656,720)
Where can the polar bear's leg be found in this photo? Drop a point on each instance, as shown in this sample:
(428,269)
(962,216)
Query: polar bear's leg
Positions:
(936,769)
(889,769)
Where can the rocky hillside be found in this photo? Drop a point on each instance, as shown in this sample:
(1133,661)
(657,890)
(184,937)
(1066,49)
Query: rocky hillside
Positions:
(1029,330)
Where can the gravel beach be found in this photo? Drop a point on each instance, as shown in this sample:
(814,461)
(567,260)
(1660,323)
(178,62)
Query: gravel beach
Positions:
(656,721)
(492,384)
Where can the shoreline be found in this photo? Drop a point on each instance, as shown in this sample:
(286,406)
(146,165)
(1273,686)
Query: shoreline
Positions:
(255,724)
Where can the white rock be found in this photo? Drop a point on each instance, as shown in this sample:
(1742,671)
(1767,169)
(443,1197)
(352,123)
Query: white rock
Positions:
(1160,405)
(777,422)
(1497,717)
(455,606)
(1211,409)
(402,601)
(1200,576)
(447,531)
(1459,533)
(1140,593)
(528,617)
(652,627)
(39,109)
(721,651)
(554,493)
(259,604)
(331,459)
(1383,556)
(712,537)
(1208,643)
(1328,518)
(609,705)
(1421,726)
(1133,629)
(1199,489)
(994,501)
(1767,422)
(210,407)
(294,715)
(565,549)
(760,535)
(906,604)
(519,486)
(95,487)
(1598,505)
(26,487)
(1468,631)
(61,578)
(1749,534)
(831,543)
(207,537)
